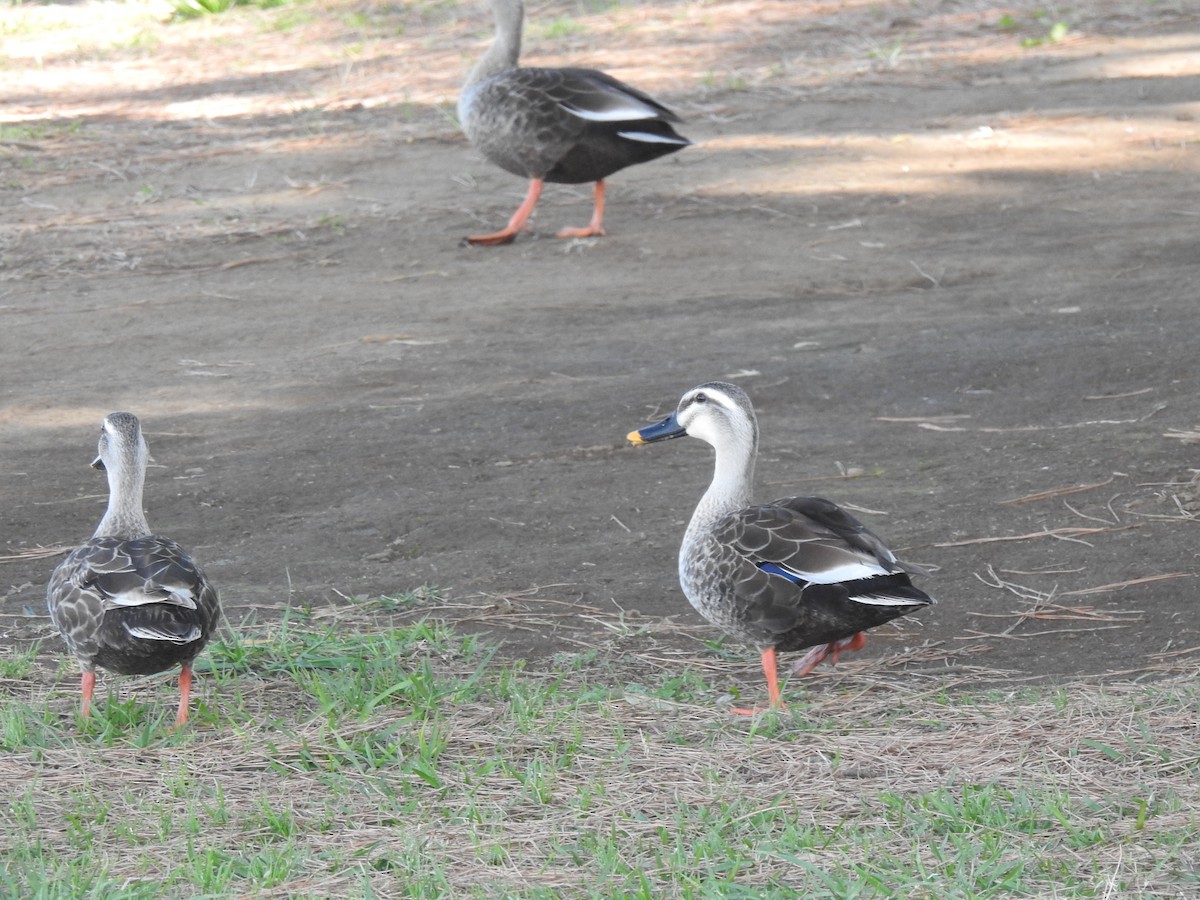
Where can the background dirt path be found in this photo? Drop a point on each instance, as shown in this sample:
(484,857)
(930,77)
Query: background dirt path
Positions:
(951,271)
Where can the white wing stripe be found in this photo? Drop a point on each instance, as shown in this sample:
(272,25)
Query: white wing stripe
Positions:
(617,114)
(847,572)
(646,138)
(174,597)
(883,600)
(154,634)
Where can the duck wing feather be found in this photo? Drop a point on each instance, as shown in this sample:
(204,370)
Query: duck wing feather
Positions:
(567,125)
(806,572)
(113,593)
(597,96)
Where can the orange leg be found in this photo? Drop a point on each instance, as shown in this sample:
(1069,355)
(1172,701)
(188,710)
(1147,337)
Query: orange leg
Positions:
(855,642)
(515,224)
(88,685)
(185,693)
(817,654)
(595,228)
(771,670)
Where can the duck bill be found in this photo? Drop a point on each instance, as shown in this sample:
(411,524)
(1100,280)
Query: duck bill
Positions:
(660,431)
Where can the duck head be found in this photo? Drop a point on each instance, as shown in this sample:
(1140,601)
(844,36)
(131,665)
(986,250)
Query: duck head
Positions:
(122,447)
(717,412)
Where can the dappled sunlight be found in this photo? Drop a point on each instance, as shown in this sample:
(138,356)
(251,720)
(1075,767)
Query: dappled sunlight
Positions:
(955,162)
(219,106)
(180,402)
(1163,56)
(302,86)
(328,55)
(38,34)
(337,55)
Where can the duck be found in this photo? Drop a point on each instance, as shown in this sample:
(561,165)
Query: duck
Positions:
(798,573)
(561,125)
(127,600)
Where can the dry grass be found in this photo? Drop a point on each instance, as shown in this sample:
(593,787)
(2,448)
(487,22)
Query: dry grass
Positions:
(617,766)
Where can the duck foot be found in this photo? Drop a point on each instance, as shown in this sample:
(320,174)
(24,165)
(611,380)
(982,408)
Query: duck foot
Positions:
(832,650)
(498,239)
(771,671)
(509,232)
(594,228)
(586,232)
(757,710)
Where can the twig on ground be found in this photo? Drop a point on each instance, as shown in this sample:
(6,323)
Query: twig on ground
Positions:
(1083,515)
(1180,435)
(1066,533)
(36,553)
(1121,585)
(1033,634)
(1119,396)
(1056,492)
(915,420)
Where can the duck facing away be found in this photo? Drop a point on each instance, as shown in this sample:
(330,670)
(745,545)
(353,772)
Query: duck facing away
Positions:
(794,574)
(127,600)
(567,126)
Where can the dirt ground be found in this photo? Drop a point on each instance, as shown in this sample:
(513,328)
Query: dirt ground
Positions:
(953,261)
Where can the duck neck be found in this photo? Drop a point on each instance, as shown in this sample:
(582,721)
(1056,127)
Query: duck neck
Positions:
(125,517)
(506,48)
(732,486)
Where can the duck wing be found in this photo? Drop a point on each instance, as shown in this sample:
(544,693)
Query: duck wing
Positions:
(598,97)
(115,591)
(809,573)
(567,125)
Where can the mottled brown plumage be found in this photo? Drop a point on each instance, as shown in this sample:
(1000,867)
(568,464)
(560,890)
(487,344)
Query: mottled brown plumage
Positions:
(793,574)
(567,126)
(127,600)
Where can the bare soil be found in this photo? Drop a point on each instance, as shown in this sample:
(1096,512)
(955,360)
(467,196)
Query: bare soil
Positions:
(957,275)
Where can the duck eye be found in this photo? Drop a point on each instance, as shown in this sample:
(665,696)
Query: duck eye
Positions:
(700,398)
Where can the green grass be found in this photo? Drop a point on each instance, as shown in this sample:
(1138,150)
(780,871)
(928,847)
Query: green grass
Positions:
(18,662)
(344,755)
(556,28)
(39,132)
(20,20)
(1055,34)
(724,81)
(194,9)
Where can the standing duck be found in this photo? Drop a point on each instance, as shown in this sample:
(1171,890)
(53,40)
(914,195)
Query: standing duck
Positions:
(127,600)
(794,574)
(567,126)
